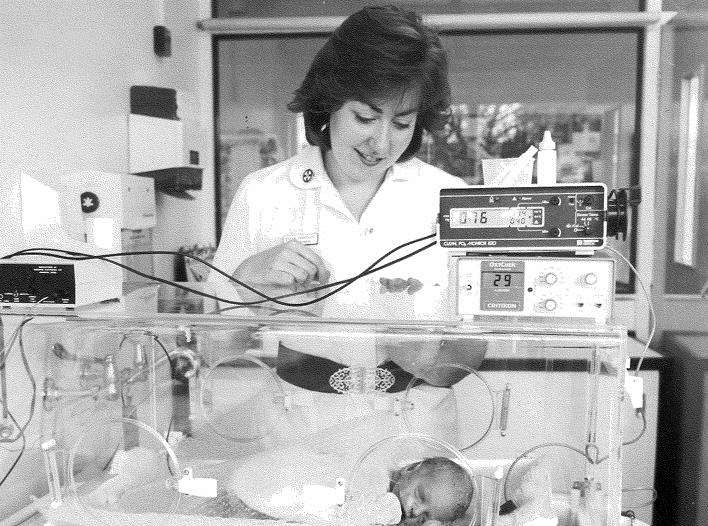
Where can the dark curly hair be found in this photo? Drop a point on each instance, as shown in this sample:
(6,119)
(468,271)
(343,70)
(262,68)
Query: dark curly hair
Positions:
(376,52)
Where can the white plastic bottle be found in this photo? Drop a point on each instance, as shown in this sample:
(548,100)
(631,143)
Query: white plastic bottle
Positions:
(546,161)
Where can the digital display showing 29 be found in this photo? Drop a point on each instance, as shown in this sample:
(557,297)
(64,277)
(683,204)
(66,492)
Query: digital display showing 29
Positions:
(496,217)
(502,280)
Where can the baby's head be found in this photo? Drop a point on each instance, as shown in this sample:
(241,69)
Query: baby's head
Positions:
(434,489)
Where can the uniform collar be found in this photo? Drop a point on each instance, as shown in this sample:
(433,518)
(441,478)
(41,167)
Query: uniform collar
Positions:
(308,171)
(399,173)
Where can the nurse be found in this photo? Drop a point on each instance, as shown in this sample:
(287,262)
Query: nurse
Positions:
(354,193)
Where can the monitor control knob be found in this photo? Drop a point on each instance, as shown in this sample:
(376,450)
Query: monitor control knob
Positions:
(550,278)
(550,305)
(590,278)
(555,200)
(554,232)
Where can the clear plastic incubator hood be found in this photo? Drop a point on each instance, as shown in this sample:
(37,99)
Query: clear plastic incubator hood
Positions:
(266,416)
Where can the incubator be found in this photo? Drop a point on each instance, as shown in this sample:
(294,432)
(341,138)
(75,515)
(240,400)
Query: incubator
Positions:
(262,416)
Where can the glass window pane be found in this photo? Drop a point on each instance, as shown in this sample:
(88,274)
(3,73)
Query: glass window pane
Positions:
(263,8)
(257,78)
(687,225)
(507,89)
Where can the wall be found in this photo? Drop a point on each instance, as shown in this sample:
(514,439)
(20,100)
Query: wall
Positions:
(67,67)
(65,87)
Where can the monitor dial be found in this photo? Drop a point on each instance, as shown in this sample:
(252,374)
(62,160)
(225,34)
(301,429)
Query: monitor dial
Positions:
(590,278)
(550,278)
(549,305)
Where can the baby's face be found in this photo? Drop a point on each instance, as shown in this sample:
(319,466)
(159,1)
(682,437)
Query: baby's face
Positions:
(426,496)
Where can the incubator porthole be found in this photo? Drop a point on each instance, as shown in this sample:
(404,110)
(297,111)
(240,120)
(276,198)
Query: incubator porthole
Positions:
(242,400)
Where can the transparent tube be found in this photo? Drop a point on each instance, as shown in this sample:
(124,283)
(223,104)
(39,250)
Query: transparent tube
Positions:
(408,406)
(239,433)
(49,451)
(110,480)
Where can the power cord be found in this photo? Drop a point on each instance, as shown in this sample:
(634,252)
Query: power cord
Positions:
(651,306)
(17,337)
(154,337)
(368,270)
(33,383)
(80,256)
(169,363)
(22,449)
(645,504)
(641,413)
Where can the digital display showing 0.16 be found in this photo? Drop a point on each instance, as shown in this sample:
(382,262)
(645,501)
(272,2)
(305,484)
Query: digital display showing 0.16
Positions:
(496,217)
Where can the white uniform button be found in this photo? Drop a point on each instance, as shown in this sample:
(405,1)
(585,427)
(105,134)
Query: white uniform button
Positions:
(550,305)
(590,279)
(307,175)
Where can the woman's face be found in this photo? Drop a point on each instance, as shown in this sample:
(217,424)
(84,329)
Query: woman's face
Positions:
(368,138)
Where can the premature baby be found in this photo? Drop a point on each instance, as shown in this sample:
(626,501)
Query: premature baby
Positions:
(433,492)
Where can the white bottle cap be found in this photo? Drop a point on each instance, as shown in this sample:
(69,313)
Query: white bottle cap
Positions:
(547,142)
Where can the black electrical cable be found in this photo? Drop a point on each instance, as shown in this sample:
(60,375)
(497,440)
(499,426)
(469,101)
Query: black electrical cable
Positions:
(79,256)
(169,362)
(33,382)
(646,504)
(162,346)
(17,333)
(83,256)
(19,455)
(13,338)
(368,270)
(167,439)
(641,433)
(635,439)
(154,337)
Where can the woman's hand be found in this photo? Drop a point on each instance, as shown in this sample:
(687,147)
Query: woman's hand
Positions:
(286,265)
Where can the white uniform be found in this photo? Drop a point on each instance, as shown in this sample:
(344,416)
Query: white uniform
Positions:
(296,199)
